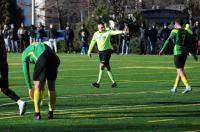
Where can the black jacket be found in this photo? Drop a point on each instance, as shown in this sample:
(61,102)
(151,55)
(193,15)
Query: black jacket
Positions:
(52,33)
(3,55)
(69,35)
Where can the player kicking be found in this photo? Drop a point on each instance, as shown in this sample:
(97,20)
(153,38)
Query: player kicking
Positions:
(102,39)
(182,47)
(4,88)
(45,70)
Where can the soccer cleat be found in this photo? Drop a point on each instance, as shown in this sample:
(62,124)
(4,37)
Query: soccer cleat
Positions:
(173,90)
(187,89)
(96,85)
(50,115)
(22,108)
(37,116)
(114,85)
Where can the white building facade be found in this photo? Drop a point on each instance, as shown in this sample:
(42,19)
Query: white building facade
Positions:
(40,12)
(26,6)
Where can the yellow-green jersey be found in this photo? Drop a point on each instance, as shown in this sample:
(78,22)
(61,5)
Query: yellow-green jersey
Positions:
(181,39)
(102,39)
(31,55)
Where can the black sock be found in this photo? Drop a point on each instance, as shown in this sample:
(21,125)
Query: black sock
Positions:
(11,94)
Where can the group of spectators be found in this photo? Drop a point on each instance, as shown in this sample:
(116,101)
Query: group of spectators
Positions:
(152,39)
(83,35)
(149,38)
(16,40)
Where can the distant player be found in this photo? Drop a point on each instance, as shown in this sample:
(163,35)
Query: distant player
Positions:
(182,47)
(4,88)
(45,70)
(102,39)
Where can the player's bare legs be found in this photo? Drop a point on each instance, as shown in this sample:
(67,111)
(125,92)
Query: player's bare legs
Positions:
(184,79)
(177,81)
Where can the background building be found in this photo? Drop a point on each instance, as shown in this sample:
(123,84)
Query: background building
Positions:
(58,12)
(25,5)
(63,12)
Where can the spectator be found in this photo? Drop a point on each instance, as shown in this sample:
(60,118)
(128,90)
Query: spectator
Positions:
(23,37)
(32,33)
(196,32)
(69,37)
(1,30)
(106,27)
(153,35)
(192,41)
(143,39)
(14,39)
(41,33)
(83,35)
(164,34)
(6,36)
(125,40)
(52,38)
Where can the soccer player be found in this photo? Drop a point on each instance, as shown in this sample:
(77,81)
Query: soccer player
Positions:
(4,88)
(45,70)
(182,46)
(102,39)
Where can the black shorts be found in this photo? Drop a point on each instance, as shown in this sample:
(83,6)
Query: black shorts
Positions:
(179,60)
(4,74)
(104,56)
(46,67)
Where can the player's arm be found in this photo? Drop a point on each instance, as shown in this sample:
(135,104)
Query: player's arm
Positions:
(172,35)
(92,44)
(26,72)
(116,32)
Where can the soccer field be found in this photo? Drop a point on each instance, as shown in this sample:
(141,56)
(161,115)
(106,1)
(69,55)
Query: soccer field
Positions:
(141,102)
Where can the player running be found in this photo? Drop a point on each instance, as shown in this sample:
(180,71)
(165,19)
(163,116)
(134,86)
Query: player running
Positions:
(45,70)
(102,39)
(4,88)
(182,47)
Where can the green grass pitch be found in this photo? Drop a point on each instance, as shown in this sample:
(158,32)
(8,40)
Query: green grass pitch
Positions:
(142,101)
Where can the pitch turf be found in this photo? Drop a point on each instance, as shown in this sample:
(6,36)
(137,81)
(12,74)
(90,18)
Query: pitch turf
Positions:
(142,101)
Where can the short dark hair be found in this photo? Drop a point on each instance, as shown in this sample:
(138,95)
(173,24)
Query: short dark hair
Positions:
(100,22)
(179,21)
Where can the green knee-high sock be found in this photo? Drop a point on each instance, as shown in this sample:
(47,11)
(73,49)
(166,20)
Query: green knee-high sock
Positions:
(100,76)
(111,76)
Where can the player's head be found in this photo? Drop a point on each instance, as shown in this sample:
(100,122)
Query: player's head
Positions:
(187,26)
(165,25)
(51,25)
(178,23)
(100,26)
